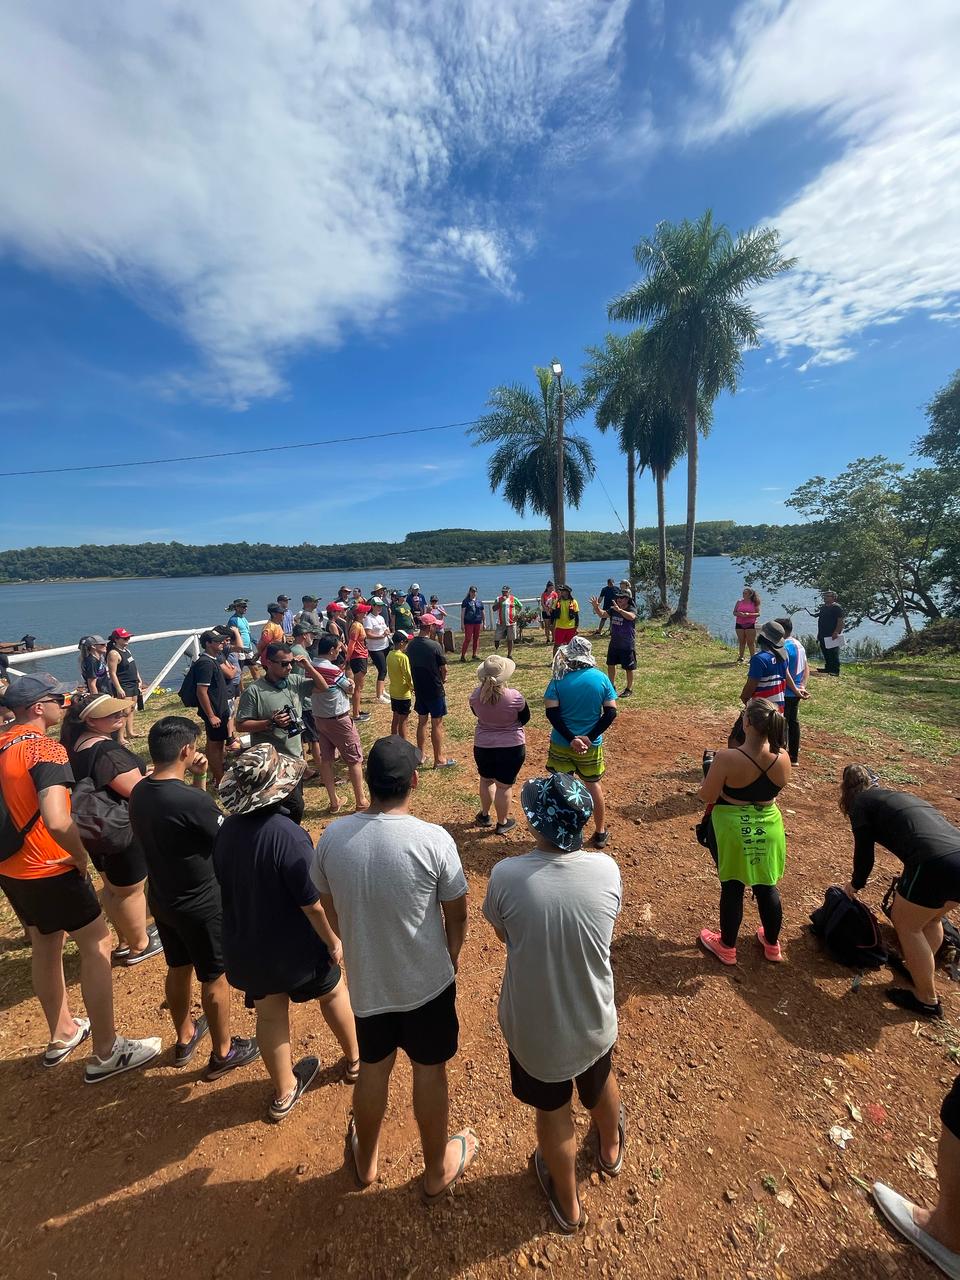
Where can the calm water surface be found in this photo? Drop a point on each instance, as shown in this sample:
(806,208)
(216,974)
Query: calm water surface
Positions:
(59,613)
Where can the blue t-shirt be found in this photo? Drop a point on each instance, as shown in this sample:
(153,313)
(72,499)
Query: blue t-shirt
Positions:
(581,694)
(796,663)
(472,610)
(243,626)
(771,674)
(417,602)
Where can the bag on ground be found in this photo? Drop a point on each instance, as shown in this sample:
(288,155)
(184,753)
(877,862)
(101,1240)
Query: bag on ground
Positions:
(850,931)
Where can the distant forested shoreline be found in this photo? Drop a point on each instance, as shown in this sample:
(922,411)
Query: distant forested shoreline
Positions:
(435,548)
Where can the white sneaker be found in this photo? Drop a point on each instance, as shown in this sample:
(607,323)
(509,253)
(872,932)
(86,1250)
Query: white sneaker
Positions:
(385,699)
(127,1056)
(898,1211)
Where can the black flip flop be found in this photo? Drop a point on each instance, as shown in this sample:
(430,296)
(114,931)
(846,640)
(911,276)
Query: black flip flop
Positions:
(905,999)
(183,1053)
(304,1072)
(612,1170)
(546,1186)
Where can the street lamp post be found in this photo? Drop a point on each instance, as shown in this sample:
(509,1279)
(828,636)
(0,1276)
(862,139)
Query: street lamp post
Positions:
(560,549)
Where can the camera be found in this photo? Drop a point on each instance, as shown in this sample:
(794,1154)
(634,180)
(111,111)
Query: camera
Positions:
(295,727)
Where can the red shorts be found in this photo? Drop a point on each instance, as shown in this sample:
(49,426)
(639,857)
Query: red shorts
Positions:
(563,635)
(339,733)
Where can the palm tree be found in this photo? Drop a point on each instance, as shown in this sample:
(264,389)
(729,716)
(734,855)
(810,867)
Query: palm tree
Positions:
(623,384)
(523,425)
(691,296)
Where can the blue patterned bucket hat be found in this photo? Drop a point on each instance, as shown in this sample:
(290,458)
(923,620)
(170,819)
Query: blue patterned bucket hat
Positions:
(559,807)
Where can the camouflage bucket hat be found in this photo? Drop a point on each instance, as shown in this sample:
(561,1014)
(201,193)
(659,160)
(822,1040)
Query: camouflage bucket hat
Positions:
(259,777)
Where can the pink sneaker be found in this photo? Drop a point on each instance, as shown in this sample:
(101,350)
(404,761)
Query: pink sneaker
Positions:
(772,953)
(714,944)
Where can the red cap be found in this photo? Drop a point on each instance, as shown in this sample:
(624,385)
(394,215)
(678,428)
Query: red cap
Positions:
(120,633)
(361,608)
(336,606)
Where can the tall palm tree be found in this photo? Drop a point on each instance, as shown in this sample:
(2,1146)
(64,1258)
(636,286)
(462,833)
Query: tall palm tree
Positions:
(523,424)
(691,296)
(623,384)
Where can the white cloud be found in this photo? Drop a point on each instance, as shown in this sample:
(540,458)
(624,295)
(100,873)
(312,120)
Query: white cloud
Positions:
(270,175)
(875,230)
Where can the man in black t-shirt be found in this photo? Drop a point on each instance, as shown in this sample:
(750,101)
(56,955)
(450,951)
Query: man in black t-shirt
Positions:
(829,629)
(176,825)
(428,667)
(213,699)
(607,596)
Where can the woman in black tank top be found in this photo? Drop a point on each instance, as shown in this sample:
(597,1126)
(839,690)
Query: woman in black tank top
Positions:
(125,678)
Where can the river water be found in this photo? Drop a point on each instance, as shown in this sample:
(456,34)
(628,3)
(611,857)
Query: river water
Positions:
(59,613)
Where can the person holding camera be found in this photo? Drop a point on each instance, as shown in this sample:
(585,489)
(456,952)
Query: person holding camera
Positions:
(271,709)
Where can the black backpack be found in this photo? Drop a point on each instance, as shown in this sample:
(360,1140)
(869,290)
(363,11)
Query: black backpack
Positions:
(12,836)
(104,824)
(850,930)
(188,689)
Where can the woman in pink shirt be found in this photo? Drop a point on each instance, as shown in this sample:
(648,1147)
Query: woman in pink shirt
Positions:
(499,745)
(746,612)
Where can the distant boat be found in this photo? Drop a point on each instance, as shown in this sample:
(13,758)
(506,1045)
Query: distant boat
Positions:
(26,644)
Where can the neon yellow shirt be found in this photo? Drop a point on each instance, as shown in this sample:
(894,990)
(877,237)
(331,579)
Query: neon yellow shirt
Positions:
(567,608)
(399,675)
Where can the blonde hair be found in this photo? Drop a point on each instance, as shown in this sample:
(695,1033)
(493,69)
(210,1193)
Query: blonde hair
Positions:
(491,690)
(856,778)
(764,717)
(753,595)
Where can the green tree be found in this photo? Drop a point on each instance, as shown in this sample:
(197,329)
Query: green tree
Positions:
(523,425)
(646,567)
(695,276)
(941,441)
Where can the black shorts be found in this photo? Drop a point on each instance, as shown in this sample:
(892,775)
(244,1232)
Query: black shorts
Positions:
(221,733)
(321,984)
(626,658)
(428,1035)
(379,659)
(931,883)
(358,666)
(66,902)
(554,1095)
(122,869)
(502,764)
(192,940)
(950,1111)
(400,706)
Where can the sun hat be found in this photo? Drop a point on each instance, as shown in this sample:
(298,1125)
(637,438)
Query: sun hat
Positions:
(392,762)
(414,586)
(24,691)
(559,807)
(378,587)
(301,629)
(120,633)
(258,777)
(105,704)
(774,635)
(428,620)
(239,603)
(496,668)
(577,653)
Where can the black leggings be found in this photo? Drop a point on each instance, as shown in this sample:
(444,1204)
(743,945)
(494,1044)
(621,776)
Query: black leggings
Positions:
(791,713)
(731,910)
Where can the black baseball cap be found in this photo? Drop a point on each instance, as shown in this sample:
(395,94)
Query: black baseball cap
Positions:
(223,631)
(392,762)
(24,691)
(208,637)
(307,599)
(274,608)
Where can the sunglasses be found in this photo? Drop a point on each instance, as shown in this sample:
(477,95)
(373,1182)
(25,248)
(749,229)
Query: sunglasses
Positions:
(59,698)
(285,662)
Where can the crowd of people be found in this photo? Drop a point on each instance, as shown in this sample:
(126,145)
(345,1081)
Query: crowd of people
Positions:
(229,888)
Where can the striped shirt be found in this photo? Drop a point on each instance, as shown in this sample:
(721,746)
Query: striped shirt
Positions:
(796,663)
(770,673)
(506,607)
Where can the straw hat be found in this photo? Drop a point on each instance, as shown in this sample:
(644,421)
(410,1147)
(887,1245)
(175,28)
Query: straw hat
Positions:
(103,705)
(496,668)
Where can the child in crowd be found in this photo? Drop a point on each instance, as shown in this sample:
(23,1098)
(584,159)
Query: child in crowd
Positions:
(401,683)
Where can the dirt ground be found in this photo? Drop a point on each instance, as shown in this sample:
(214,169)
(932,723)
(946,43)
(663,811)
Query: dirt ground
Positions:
(732,1081)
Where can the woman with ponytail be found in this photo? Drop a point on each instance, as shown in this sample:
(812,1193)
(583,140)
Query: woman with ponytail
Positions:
(745,829)
(94,676)
(499,744)
(929,848)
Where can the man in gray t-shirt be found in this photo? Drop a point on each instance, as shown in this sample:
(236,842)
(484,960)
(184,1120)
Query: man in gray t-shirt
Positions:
(555,908)
(395,893)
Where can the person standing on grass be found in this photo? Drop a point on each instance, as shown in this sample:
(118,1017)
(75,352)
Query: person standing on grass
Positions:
(230,666)
(580,703)
(213,702)
(471,622)
(94,676)
(125,679)
(377,632)
(287,620)
(243,647)
(745,614)
(278,944)
(272,632)
(606,598)
(417,602)
(336,732)
(768,676)
(548,602)
(829,630)
(176,826)
(566,617)
(622,650)
(401,615)
(499,744)
(555,908)
(505,611)
(428,669)
(798,669)
(394,891)
(401,683)
(310,618)
(358,659)
(46,880)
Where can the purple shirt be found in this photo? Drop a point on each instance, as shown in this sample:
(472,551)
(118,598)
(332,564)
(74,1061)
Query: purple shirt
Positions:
(497,723)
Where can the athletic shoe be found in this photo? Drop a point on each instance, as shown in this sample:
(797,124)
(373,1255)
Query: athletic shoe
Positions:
(771,953)
(904,998)
(385,699)
(127,1055)
(600,838)
(183,1053)
(241,1052)
(57,1050)
(627,693)
(304,1073)
(362,718)
(153,948)
(482,820)
(713,943)
(898,1211)
(503,827)
(120,953)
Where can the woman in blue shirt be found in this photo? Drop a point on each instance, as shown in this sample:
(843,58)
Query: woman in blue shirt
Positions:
(471,621)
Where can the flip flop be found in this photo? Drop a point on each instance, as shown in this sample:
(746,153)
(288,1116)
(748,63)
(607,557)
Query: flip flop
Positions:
(546,1186)
(446,764)
(425,1195)
(352,1152)
(351,1070)
(57,1050)
(304,1072)
(612,1170)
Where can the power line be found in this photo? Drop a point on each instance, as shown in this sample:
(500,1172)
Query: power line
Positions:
(612,507)
(236,453)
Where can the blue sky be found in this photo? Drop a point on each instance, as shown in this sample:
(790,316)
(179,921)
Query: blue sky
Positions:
(240,224)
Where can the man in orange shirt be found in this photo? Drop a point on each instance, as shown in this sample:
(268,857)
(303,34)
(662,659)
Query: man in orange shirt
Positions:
(272,632)
(44,874)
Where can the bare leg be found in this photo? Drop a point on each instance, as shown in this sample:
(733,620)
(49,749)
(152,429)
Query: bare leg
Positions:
(599,805)
(422,732)
(557,1140)
(741,642)
(910,922)
(943,1221)
(215,757)
(273,1037)
(355,774)
(177,988)
(752,642)
(46,965)
(606,1116)
(628,676)
(436,739)
(612,674)
(369,1107)
(431,1107)
(96,982)
(380,686)
(486,795)
(337,1014)
(215,998)
(503,797)
(129,913)
(326,774)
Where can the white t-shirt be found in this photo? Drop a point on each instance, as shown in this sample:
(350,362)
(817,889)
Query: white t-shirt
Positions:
(557,911)
(378,633)
(387,875)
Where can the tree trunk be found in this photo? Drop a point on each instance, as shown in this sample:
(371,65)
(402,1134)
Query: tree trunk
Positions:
(662,541)
(632,502)
(691,409)
(559,568)
(558,526)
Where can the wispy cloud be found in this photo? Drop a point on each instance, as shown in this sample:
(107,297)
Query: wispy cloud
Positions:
(267,176)
(875,230)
